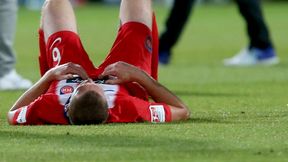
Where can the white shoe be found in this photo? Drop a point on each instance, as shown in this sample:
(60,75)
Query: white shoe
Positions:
(253,56)
(13,81)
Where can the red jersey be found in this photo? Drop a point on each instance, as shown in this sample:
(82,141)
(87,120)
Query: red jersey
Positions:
(135,44)
(49,107)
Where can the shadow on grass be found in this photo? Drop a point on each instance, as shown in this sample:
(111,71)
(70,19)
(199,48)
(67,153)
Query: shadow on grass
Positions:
(209,120)
(206,94)
(79,140)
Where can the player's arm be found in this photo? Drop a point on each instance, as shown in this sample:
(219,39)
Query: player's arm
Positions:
(122,72)
(60,72)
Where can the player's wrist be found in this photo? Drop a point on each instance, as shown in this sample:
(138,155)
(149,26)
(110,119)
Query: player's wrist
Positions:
(142,77)
(48,76)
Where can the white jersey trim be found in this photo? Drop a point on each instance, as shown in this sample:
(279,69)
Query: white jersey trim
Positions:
(110,92)
(22,115)
(157,113)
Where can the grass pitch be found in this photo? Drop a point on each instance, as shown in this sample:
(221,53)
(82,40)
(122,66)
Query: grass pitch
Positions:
(238,114)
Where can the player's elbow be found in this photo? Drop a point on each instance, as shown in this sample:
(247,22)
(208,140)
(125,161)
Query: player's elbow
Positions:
(10,116)
(180,113)
(186,113)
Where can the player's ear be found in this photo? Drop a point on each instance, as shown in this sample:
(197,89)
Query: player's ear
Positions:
(68,114)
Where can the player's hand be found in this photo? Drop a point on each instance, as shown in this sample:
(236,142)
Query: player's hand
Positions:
(120,72)
(66,71)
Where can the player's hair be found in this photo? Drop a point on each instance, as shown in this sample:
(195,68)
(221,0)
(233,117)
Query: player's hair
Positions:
(89,108)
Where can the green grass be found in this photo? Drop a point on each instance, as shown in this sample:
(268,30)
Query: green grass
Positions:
(238,114)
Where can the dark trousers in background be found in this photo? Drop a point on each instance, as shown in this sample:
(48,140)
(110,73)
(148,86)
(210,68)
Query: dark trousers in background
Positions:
(250,10)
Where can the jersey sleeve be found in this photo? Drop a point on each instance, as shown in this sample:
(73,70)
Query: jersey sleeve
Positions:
(43,110)
(132,109)
(152,112)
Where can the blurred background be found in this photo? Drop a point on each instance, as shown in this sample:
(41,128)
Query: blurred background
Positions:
(36,4)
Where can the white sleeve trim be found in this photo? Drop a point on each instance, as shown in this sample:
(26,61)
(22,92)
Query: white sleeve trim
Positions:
(22,115)
(157,113)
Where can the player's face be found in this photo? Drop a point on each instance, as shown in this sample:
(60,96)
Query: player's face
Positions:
(88,85)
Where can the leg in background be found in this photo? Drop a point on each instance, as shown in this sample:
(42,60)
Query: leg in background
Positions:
(260,49)
(175,24)
(9,78)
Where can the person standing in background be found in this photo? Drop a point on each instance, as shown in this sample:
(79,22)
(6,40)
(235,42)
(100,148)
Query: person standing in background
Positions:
(259,51)
(9,79)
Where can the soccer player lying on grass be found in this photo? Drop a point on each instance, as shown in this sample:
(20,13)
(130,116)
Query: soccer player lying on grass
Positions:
(121,83)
